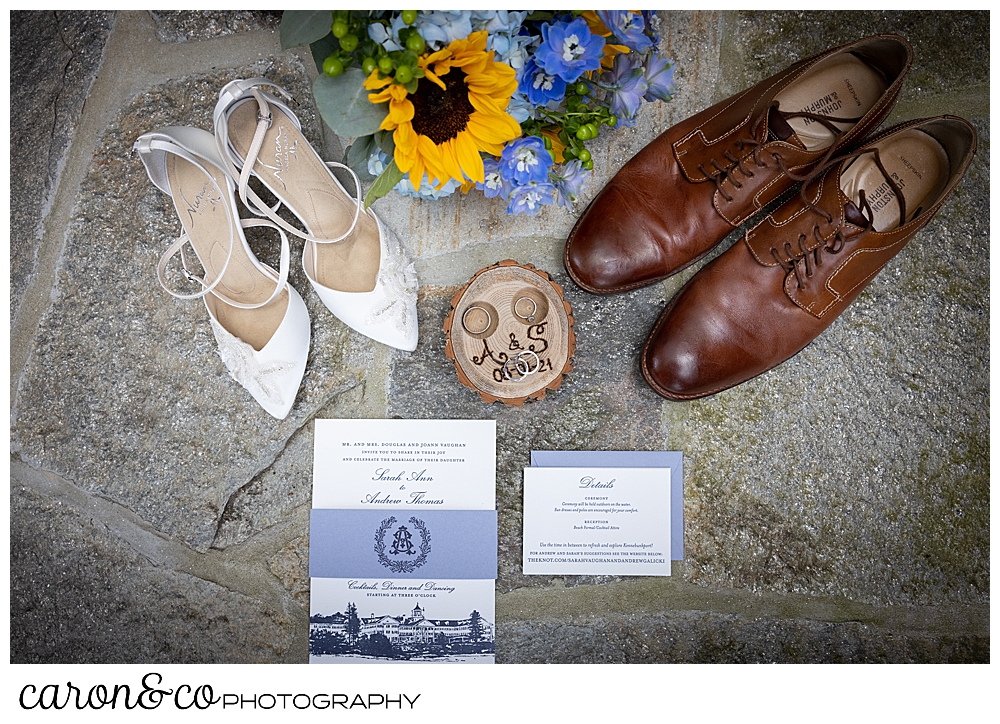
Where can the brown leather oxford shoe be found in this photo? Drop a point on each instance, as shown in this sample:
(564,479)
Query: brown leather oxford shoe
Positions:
(771,294)
(687,190)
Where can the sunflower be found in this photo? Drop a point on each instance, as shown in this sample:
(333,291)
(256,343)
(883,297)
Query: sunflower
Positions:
(457,111)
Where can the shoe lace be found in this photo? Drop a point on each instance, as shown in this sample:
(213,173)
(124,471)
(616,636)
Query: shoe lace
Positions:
(721,172)
(812,258)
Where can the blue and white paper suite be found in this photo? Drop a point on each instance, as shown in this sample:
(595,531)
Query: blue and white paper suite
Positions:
(597,521)
(403,541)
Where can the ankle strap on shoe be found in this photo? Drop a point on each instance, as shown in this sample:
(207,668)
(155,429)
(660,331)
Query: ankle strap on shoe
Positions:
(240,170)
(149,144)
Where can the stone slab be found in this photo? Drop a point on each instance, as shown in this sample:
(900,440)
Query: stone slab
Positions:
(695,637)
(54,59)
(181,26)
(80,595)
(124,393)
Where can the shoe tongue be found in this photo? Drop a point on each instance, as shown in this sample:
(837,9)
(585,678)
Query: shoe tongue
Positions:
(853,215)
(779,130)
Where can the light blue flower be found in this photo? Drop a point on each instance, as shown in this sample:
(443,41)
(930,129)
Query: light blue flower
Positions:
(568,49)
(625,86)
(377,163)
(627,27)
(569,183)
(539,86)
(494,184)
(660,76)
(440,27)
(504,38)
(520,108)
(525,160)
(388,39)
(530,198)
(498,21)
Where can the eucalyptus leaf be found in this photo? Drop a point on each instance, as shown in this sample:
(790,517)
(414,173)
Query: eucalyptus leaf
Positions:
(386,142)
(323,49)
(302,27)
(343,103)
(384,183)
(357,156)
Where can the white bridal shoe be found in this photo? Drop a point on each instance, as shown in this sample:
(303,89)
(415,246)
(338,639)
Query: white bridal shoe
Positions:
(354,262)
(260,322)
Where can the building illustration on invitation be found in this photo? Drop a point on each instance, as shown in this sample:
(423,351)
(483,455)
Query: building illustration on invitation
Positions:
(410,636)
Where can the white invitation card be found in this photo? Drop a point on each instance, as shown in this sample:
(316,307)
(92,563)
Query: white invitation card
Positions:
(597,521)
(403,542)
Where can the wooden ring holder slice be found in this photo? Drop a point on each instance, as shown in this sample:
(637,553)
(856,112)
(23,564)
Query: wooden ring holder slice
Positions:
(545,345)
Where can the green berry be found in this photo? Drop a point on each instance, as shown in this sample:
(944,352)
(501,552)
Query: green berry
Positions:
(339,29)
(404,74)
(581,89)
(612,121)
(588,164)
(584,132)
(349,42)
(409,16)
(333,66)
(583,155)
(368,65)
(592,132)
(415,43)
(385,64)
(548,143)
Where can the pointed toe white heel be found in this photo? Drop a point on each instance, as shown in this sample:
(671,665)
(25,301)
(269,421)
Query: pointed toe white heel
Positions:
(260,322)
(354,262)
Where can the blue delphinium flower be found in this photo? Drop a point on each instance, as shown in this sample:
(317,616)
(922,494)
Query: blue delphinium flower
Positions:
(569,183)
(568,49)
(440,27)
(526,160)
(660,76)
(625,86)
(651,22)
(530,198)
(627,27)
(539,85)
(494,183)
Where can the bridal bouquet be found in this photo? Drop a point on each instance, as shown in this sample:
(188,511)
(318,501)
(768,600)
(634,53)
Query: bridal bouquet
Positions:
(497,100)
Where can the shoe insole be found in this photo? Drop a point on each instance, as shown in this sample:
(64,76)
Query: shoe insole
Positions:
(842,86)
(289,166)
(918,165)
(199,204)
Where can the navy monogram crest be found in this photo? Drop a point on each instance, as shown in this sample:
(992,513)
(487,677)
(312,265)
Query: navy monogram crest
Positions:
(404,554)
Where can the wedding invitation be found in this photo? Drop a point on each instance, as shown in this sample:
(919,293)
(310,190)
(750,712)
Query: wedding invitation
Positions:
(597,521)
(403,541)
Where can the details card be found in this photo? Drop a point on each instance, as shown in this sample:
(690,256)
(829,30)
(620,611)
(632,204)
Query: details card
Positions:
(597,521)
